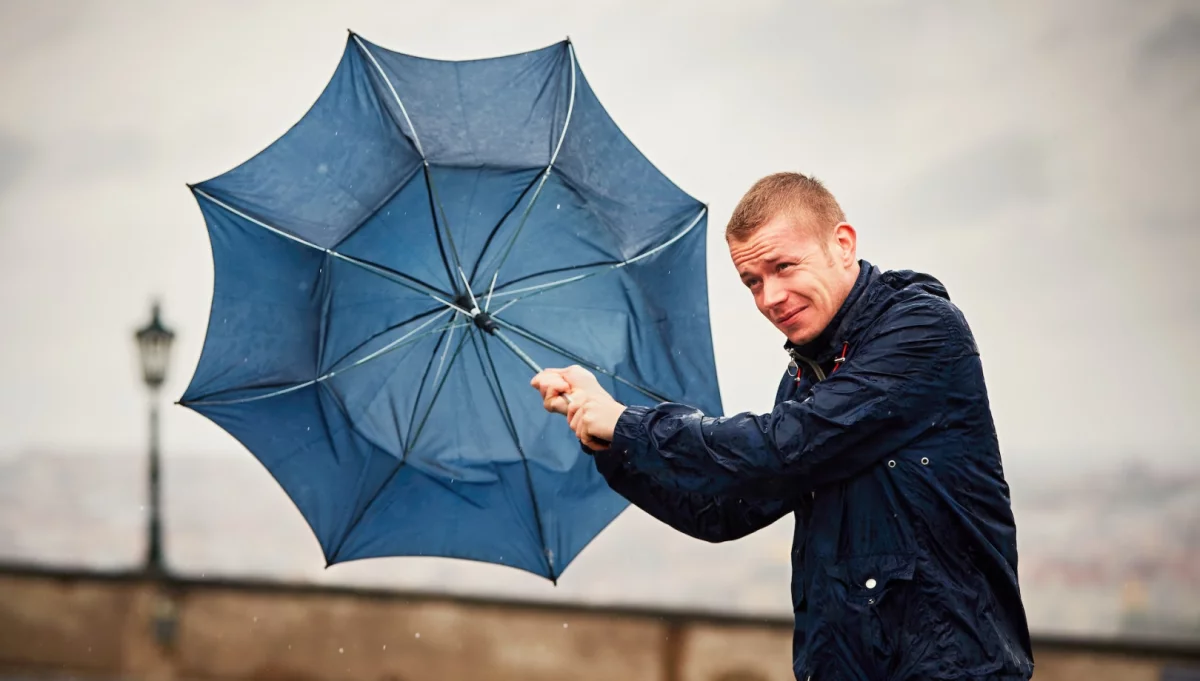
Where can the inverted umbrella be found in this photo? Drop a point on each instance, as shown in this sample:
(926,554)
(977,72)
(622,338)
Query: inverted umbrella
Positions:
(389,273)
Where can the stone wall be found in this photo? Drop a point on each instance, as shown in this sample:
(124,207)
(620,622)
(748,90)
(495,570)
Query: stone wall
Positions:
(132,628)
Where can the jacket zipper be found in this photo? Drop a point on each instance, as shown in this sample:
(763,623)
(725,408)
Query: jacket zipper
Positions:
(797,357)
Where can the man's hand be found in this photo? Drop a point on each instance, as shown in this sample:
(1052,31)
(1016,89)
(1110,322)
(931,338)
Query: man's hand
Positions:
(591,412)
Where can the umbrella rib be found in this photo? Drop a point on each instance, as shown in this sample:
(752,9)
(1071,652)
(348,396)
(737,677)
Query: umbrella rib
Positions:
(353,521)
(502,403)
(437,232)
(436,199)
(541,183)
(416,433)
(434,202)
(404,280)
(412,416)
(576,358)
(379,207)
(394,345)
(542,288)
(393,327)
(487,243)
(388,82)
(568,268)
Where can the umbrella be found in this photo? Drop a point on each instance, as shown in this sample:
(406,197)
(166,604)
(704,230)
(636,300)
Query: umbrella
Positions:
(390,271)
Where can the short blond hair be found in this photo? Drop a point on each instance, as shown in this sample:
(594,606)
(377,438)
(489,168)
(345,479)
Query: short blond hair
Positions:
(803,198)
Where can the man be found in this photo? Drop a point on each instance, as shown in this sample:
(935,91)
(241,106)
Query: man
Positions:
(881,445)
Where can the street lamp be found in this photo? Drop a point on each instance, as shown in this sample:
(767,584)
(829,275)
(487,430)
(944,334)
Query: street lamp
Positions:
(154,346)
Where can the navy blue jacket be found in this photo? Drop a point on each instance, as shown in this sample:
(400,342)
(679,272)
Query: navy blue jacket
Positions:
(882,446)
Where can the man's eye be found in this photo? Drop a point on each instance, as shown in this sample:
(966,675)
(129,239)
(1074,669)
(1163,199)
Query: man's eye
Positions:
(783,266)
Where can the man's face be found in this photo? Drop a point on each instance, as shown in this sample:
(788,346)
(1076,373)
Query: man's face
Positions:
(798,285)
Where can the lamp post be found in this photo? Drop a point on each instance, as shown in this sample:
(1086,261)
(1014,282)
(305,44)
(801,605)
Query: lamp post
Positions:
(154,346)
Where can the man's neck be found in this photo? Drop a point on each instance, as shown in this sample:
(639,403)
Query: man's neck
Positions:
(821,343)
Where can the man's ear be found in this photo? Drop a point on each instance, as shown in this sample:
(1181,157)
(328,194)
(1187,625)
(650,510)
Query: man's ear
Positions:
(846,244)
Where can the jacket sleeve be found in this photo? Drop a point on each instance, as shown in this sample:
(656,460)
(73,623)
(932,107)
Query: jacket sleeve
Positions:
(708,518)
(888,391)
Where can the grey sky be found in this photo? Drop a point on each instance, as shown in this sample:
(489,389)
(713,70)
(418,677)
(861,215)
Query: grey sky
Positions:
(1039,158)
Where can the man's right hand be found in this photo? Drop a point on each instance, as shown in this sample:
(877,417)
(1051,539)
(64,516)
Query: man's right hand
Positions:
(554,388)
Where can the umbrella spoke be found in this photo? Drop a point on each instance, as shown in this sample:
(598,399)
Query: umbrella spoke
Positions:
(388,273)
(498,394)
(433,210)
(393,327)
(531,291)
(541,183)
(362,511)
(435,203)
(569,268)
(487,243)
(406,339)
(392,88)
(553,347)
(416,432)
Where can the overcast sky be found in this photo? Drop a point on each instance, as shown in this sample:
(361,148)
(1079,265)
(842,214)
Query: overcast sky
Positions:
(1039,158)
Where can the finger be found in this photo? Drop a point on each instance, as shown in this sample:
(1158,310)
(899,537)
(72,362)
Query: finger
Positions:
(555,404)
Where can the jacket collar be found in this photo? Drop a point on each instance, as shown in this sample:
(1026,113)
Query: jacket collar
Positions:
(829,342)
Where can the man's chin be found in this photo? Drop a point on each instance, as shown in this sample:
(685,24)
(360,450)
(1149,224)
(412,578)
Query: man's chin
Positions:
(799,337)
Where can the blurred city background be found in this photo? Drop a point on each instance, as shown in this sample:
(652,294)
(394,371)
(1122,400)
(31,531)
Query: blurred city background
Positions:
(1040,159)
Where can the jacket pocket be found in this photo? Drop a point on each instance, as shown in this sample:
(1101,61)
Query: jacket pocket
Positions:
(869,580)
(870,612)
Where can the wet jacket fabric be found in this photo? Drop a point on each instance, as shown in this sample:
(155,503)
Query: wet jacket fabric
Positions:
(881,445)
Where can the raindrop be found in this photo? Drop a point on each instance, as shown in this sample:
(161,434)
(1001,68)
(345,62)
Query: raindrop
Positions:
(564,625)
(557,206)
(256,619)
(341,650)
(385,646)
(418,634)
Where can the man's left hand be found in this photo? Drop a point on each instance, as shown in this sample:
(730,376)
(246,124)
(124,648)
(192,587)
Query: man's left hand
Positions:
(592,412)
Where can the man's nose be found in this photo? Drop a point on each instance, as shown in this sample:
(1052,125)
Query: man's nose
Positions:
(773,293)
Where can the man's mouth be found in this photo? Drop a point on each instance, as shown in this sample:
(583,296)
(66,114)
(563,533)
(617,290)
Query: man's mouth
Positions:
(791,316)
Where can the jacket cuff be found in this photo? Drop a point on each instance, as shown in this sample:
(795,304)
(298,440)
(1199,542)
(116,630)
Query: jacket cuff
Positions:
(630,433)
(629,437)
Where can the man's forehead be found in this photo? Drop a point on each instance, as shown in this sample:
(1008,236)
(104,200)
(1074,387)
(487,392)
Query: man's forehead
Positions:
(771,244)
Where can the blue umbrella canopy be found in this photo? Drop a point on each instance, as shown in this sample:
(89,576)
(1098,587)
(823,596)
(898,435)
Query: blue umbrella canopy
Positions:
(390,272)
